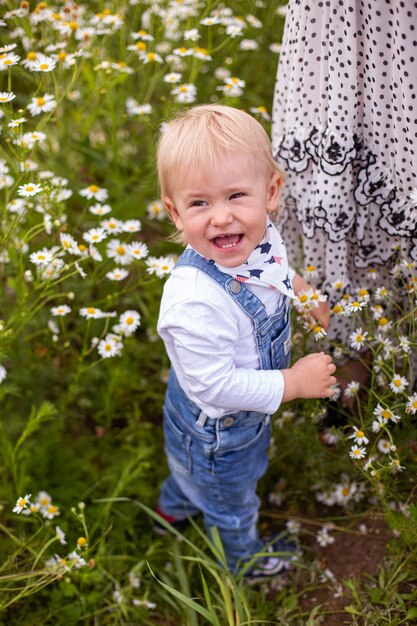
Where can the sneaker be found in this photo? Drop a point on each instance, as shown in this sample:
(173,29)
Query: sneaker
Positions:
(275,564)
(178,524)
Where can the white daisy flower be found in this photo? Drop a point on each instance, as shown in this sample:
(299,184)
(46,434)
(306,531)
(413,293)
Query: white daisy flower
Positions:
(131,226)
(160,266)
(42,104)
(61,310)
(7,60)
(357,452)
(41,257)
(359,436)
(355,306)
(210,21)
(6,96)
(3,373)
(398,383)
(43,63)
(95,235)
(94,192)
(411,406)
(69,244)
(137,249)
(357,338)
(185,93)
(60,535)
(112,225)
(323,538)
(352,389)
(92,312)
(129,321)
(22,503)
(100,209)
(172,77)
(110,346)
(117,274)
(156,210)
(386,414)
(29,189)
(384,446)
(119,252)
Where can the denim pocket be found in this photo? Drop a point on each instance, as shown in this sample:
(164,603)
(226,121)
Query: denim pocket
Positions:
(242,455)
(177,446)
(242,436)
(280,349)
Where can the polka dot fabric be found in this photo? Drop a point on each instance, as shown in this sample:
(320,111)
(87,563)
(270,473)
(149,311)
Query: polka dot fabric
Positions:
(345,131)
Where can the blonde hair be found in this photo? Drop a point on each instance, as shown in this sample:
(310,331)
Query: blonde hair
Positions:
(196,139)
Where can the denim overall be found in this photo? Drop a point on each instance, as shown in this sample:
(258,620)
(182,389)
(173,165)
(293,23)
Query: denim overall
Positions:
(215,464)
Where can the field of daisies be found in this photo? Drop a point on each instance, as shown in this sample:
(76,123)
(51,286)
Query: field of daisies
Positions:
(84,251)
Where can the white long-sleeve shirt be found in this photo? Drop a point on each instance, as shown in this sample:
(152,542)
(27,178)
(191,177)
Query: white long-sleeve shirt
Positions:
(211,345)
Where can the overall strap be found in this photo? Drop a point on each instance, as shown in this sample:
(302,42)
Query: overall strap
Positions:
(250,304)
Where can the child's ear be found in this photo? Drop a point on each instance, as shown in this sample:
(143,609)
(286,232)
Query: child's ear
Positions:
(274,188)
(172,211)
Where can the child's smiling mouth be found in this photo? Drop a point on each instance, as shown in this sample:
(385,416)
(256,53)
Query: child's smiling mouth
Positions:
(225,242)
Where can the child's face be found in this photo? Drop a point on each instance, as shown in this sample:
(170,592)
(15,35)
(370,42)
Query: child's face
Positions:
(223,213)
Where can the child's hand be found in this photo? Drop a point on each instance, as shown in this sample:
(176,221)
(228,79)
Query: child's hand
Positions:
(309,377)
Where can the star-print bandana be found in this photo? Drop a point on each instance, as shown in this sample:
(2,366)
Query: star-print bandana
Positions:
(267,264)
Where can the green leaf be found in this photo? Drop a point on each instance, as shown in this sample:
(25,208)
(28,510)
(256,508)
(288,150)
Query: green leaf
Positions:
(352,610)
(188,601)
(412,614)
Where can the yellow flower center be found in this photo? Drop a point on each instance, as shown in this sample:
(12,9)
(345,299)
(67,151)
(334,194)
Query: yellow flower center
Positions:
(383,321)
(310,268)
(141,45)
(355,304)
(62,56)
(345,491)
(30,188)
(151,56)
(73,25)
(91,310)
(386,414)
(165,267)
(31,56)
(317,330)
(303,298)
(359,338)
(120,250)
(356,452)
(93,188)
(22,502)
(337,308)
(360,434)
(52,508)
(82,247)
(414,405)
(363,292)
(129,320)
(40,102)
(43,66)
(397,382)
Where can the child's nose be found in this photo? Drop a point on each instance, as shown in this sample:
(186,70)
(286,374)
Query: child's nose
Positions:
(221,215)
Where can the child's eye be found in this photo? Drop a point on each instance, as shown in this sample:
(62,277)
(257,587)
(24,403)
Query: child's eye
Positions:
(197,203)
(239,194)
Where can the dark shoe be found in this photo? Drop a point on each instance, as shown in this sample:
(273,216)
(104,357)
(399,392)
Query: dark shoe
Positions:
(178,524)
(280,556)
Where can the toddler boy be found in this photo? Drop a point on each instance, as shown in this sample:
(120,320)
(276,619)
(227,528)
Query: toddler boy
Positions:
(225,322)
